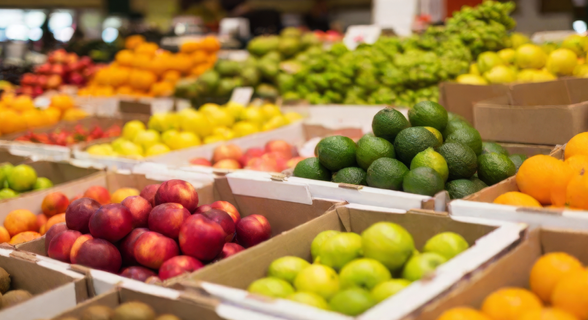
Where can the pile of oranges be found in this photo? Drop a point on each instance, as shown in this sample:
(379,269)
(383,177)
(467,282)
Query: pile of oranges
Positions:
(558,283)
(142,69)
(18,113)
(547,181)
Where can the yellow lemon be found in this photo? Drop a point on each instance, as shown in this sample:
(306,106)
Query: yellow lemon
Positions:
(213,139)
(254,115)
(157,149)
(293,116)
(227,133)
(245,128)
(196,122)
(274,123)
(220,118)
(235,109)
(269,111)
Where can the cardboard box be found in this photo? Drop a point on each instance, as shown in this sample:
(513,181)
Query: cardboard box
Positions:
(511,270)
(228,279)
(53,288)
(527,149)
(460,98)
(7,157)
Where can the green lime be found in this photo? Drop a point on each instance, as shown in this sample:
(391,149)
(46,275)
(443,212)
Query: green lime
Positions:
(42,183)
(447,244)
(428,114)
(461,160)
(7,194)
(410,141)
(389,288)
(478,183)
(318,279)
(453,116)
(340,249)
(453,126)
(352,302)
(461,188)
(337,152)
(318,241)
(492,147)
(311,168)
(370,149)
(363,273)
(22,178)
(2,178)
(286,268)
(388,243)
(386,173)
(423,180)
(517,159)
(6,169)
(493,168)
(421,265)
(469,137)
(437,134)
(351,175)
(309,298)
(431,159)
(271,287)
(387,123)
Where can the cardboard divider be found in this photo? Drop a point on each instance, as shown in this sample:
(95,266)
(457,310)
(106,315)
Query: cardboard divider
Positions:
(511,270)
(228,279)
(7,157)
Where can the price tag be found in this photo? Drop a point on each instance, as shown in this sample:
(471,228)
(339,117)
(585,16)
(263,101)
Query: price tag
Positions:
(242,95)
(182,104)
(357,35)
(162,105)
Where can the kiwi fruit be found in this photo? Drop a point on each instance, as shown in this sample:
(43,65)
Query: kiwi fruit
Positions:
(133,310)
(14,297)
(4,281)
(167,317)
(97,313)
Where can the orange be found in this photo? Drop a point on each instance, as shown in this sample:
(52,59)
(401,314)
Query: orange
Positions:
(189,46)
(180,62)
(125,58)
(463,313)
(41,221)
(578,145)
(124,90)
(519,199)
(54,220)
(210,44)
(20,220)
(74,115)
(142,61)
(548,314)
(578,163)
(33,118)
(548,270)
(199,69)
(199,57)
(102,77)
(158,65)
(52,114)
(103,91)
(537,175)
(62,102)
(24,237)
(148,48)
(142,80)
(162,89)
(22,103)
(212,59)
(510,303)
(576,192)
(118,76)
(11,121)
(171,76)
(560,185)
(571,294)
(4,235)
(131,42)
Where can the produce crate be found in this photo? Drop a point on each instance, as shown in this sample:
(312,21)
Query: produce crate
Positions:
(53,288)
(228,279)
(511,270)
(7,157)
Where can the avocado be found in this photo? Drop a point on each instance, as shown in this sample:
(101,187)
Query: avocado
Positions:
(351,175)
(4,281)
(387,123)
(386,173)
(337,152)
(410,141)
(461,188)
(311,168)
(260,46)
(492,147)
(424,181)
(370,149)
(428,114)
(461,160)
(15,297)
(453,126)
(494,167)
(468,136)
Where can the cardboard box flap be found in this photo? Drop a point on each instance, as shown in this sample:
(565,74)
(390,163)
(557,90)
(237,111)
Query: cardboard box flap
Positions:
(558,92)
(460,98)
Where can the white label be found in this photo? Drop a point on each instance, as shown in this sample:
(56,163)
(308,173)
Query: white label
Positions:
(162,105)
(357,35)
(242,95)
(182,104)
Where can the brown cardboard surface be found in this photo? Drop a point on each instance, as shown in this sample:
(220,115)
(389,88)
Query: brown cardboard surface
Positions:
(7,157)
(460,98)
(185,310)
(558,92)
(513,269)
(250,265)
(527,149)
(547,124)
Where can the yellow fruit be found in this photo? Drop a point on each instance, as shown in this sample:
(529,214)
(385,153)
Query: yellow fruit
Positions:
(510,303)
(244,128)
(471,79)
(131,42)
(474,69)
(194,121)
(507,55)
(549,270)
(62,102)
(548,314)
(147,48)
(500,74)
(74,115)
(517,39)
(235,109)
(578,145)
(463,313)
(293,117)
(254,115)
(22,103)
(213,139)
(119,195)
(208,106)
(530,56)
(127,148)
(131,128)
(183,140)
(157,149)
(570,294)
(274,123)
(220,117)
(562,62)
(225,132)
(514,198)
(269,111)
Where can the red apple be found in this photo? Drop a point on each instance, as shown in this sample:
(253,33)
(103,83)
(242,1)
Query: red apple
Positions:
(225,221)
(149,193)
(203,209)
(99,194)
(52,232)
(78,213)
(45,68)
(58,69)
(57,56)
(228,250)
(75,249)
(250,154)
(111,222)
(137,273)
(41,81)
(85,61)
(37,91)
(127,246)
(60,246)
(280,146)
(167,219)
(177,266)
(76,79)
(252,230)
(26,90)
(53,81)
(228,208)
(71,58)
(28,79)
(263,165)
(229,151)
(201,238)
(200,162)
(139,208)
(228,164)
(99,254)
(152,249)
(177,191)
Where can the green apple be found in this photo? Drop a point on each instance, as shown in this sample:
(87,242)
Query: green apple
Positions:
(287,268)
(147,138)
(118,142)
(42,183)
(352,302)
(309,298)
(7,169)
(363,273)
(131,129)
(389,288)
(7,193)
(340,249)
(421,265)
(388,243)
(157,149)
(318,279)
(22,178)
(319,240)
(447,244)
(271,287)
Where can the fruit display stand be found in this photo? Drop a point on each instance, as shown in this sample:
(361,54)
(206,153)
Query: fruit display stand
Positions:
(53,288)
(511,270)
(228,279)
(7,157)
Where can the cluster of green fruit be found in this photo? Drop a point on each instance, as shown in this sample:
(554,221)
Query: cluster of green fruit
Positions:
(352,273)
(19,179)
(442,150)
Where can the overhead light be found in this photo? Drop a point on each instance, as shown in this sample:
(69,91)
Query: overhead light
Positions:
(579,26)
(109,34)
(17,32)
(64,34)
(60,20)
(35,34)
(35,19)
